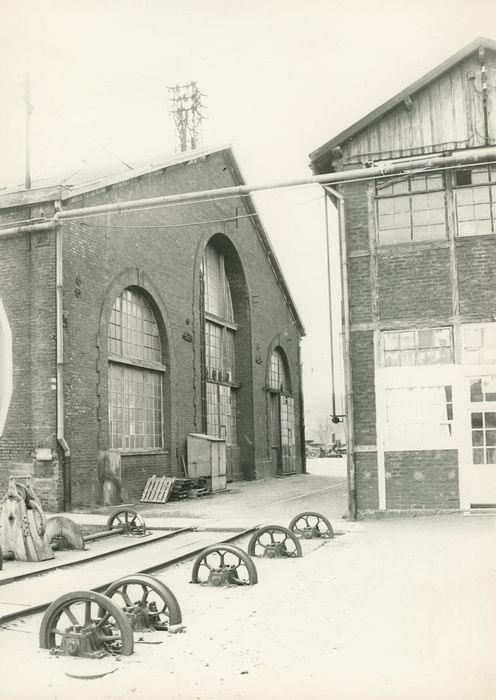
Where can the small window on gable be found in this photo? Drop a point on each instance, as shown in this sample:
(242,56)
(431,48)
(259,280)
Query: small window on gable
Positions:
(426,346)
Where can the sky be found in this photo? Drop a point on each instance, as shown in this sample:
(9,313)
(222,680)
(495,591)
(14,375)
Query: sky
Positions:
(280,78)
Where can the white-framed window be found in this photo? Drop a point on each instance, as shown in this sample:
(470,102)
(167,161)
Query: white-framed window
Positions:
(478,343)
(423,346)
(219,348)
(135,375)
(475,200)
(411,209)
(483,418)
(419,418)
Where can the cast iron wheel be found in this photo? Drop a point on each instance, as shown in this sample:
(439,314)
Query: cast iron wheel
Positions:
(222,565)
(129,521)
(85,623)
(148,602)
(274,541)
(309,525)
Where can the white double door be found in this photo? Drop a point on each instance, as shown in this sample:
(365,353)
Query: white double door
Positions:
(478,448)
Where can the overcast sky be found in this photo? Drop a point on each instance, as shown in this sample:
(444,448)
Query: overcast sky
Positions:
(281,78)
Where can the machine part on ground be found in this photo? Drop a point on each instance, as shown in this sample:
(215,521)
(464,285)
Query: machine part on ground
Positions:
(148,603)
(22,524)
(125,521)
(64,533)
(274,542)
(310,525)
(87,624)
(224,565)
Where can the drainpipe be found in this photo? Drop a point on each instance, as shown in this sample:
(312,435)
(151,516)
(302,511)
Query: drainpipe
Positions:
(338,201)
(59,290)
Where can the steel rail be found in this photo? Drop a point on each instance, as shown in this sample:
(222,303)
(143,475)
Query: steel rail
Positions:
(92,557)
(33,610)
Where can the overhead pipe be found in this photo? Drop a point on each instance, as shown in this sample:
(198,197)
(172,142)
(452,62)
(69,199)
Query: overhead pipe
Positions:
(338,201)
(405,167)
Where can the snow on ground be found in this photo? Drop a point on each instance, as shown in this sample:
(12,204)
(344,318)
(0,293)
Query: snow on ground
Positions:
(400,609)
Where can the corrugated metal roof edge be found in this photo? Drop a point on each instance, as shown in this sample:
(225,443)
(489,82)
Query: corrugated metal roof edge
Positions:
(322,152)
(23,197)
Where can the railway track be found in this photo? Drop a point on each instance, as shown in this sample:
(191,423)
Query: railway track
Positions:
(31,593)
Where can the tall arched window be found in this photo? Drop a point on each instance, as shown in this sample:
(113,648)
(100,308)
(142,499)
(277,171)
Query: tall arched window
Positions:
(135,375)
(283,443)
(219,366)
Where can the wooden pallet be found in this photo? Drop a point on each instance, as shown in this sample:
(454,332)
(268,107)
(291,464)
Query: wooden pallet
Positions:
(158,489)
(189,488)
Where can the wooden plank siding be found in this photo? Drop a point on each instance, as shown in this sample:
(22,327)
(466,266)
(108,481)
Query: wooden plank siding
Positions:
(444,115)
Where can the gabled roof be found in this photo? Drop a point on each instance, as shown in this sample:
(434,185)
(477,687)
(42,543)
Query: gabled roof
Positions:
(87,179)
(322,152)
(81,181)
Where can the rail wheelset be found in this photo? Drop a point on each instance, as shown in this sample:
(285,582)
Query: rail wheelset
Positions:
(92,625)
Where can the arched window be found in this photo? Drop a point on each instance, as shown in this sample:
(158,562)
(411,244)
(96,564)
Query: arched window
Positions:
(282,419)
(135,375)
(219,365)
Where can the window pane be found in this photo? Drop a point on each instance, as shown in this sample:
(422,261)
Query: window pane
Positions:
(217,291)
(491,438)
(130,390)
(476,420)
(490,419)
(480,175)
(478,456)
(477,438)
(133,331)
(476,390)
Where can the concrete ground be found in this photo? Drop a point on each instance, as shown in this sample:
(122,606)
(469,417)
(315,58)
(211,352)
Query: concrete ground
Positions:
(391,609)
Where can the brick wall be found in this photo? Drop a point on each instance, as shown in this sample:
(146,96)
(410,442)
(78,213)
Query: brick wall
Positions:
(426,479)
(414,283)
(160,252)
(366,482)
(362,369)
(476,267)
(27,289)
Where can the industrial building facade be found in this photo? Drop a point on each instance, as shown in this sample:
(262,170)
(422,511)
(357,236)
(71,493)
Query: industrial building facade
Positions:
(131,328)
(420,260)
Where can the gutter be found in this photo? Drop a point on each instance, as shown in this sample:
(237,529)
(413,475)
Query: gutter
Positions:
(338,201)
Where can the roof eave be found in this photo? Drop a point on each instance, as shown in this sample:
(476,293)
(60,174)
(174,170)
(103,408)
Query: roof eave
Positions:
(321,154)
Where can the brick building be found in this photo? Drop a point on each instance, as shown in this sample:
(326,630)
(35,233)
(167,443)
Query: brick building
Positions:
(130,327)
(420,260)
